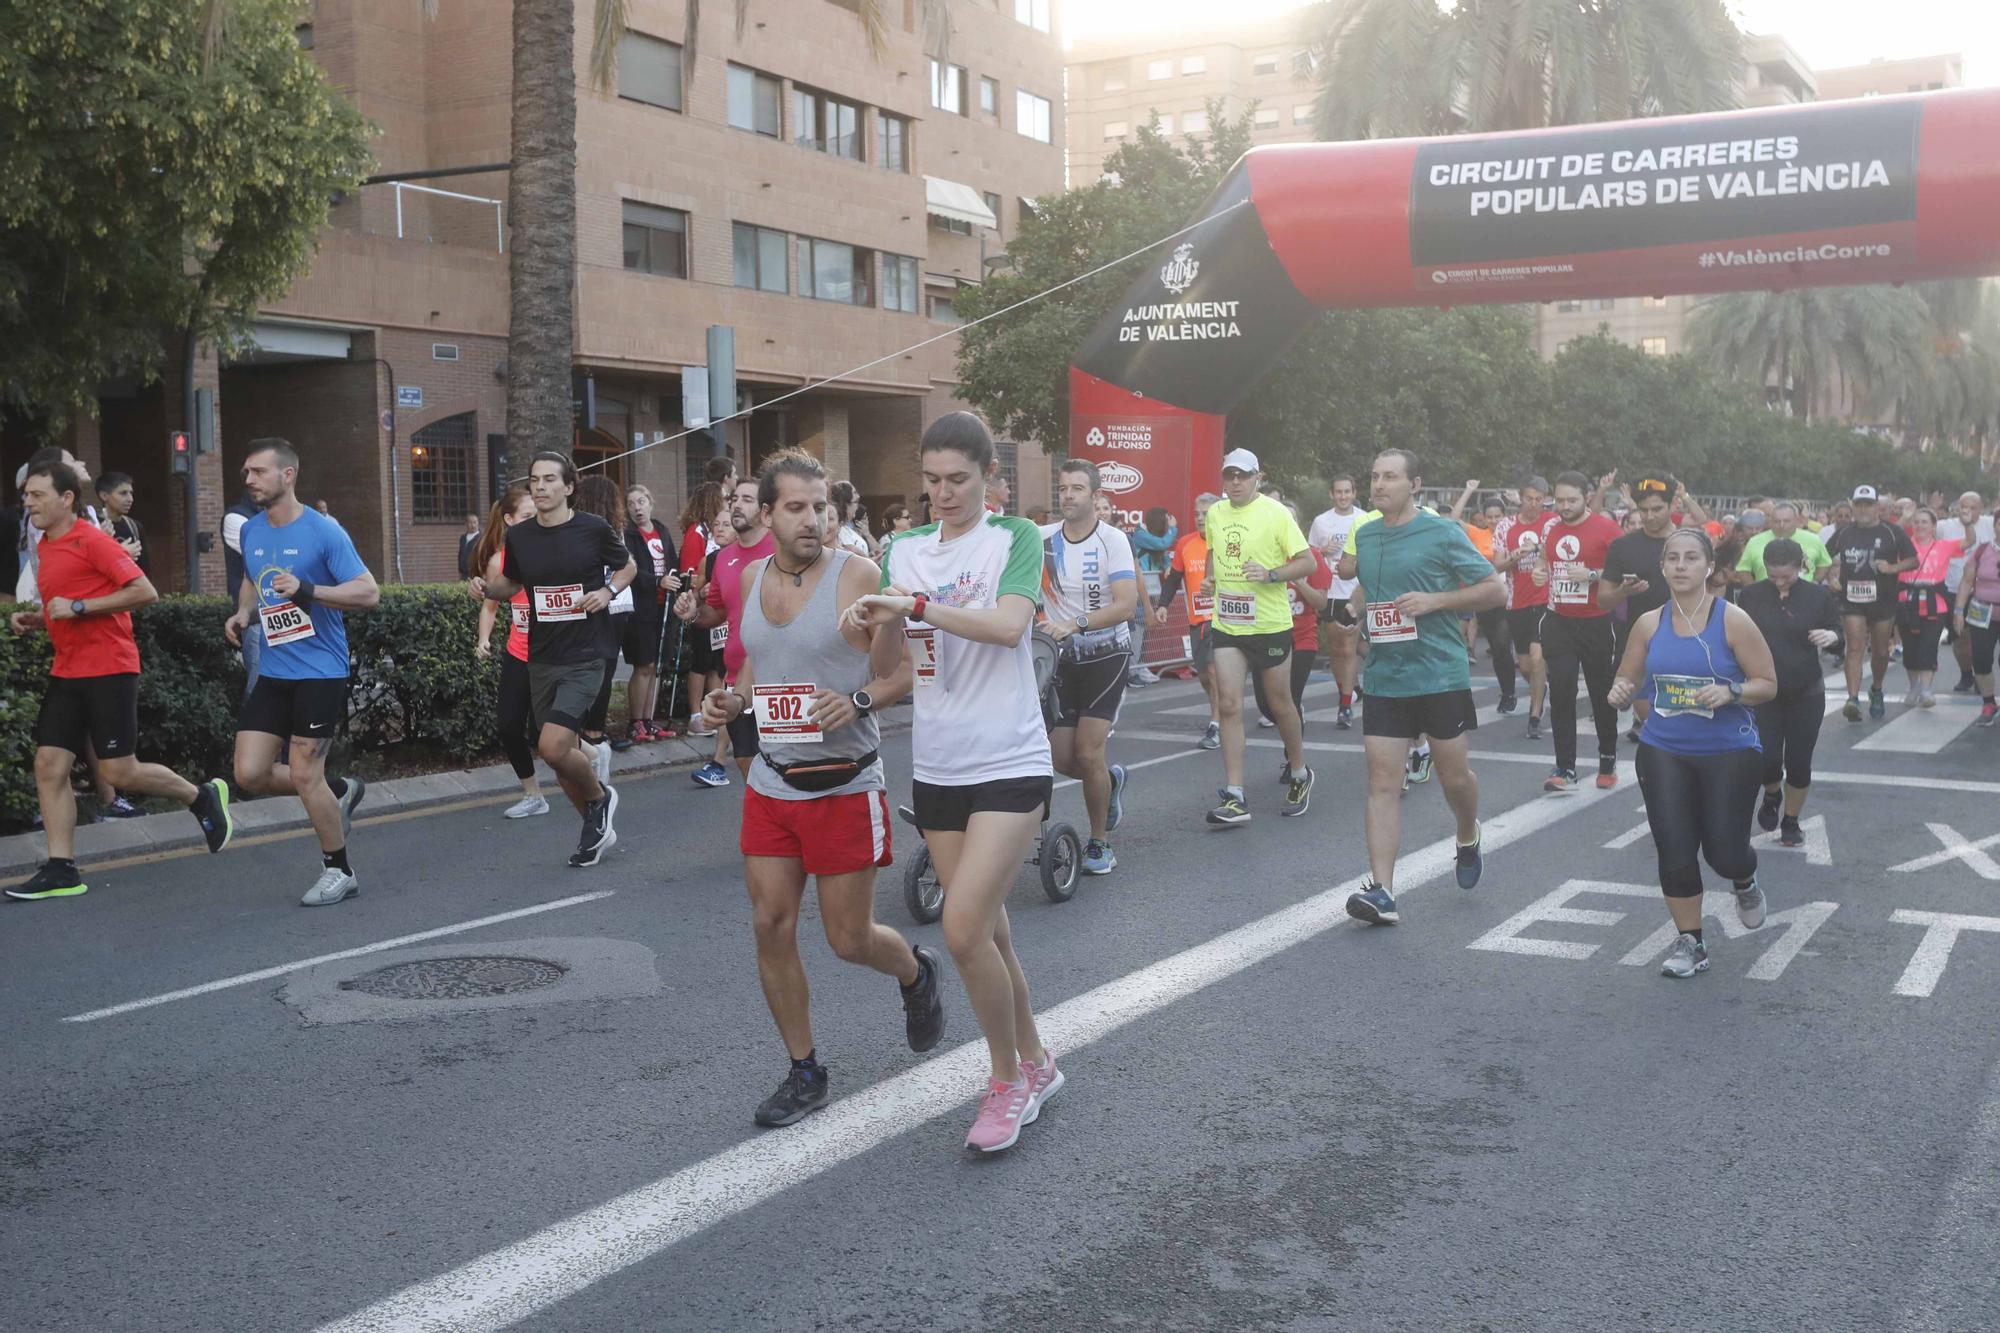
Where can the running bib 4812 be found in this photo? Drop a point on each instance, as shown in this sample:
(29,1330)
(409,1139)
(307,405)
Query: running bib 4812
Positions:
(286,623)
(784,714)
(1861,591)
(1236,608)
(923,655)
(718,637)
(1570,585)
(1387,624)
(563,603)
(1673,695)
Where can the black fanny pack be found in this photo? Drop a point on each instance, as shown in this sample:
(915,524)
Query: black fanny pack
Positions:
(821,774)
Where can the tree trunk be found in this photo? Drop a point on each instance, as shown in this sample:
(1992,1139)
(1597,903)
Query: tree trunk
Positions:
(541,266)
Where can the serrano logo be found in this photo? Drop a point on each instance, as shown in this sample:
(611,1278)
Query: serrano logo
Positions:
(1119,478)
(1567,547)
(1095,439)
(1178,273)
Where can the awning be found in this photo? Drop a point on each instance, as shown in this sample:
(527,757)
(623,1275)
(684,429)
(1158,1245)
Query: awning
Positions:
(960,203)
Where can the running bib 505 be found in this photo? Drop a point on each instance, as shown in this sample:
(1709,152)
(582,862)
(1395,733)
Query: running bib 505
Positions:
(1674,695)
(564,603)
(1387,624)
(286,623)
(1236,608)
(783,713)
(1861,591)
(923,655)
(1571,584)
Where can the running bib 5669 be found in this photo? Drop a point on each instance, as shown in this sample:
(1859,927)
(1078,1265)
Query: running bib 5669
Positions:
(286,623)
(563,603)
(1570,585)
(1236,608)
(783,714)
(1673,695)
(1861,591)
(1387,624)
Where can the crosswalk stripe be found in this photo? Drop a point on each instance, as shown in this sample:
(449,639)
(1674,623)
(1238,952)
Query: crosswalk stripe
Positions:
(1922,730)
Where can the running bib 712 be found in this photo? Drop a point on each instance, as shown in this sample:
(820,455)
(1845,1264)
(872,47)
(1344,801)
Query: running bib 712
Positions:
(1236,608)
(923,655)
(1387,624)
(1570,585)
(1674,695)
(1861,591)
(783,714)
(286,623)
(564,603)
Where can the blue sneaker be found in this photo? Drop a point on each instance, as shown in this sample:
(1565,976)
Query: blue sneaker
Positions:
(711,774)
(1372,903)
(1471,861)
(1098,859)
(1878,708)
(1117,810)
(1344,719)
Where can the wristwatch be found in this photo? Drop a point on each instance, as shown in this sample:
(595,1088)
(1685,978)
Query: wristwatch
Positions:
(77,607)
(1736,691)
(863,701)
(1082,624)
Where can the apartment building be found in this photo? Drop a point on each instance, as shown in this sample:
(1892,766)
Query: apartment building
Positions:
(1881,78)
(824,200)
(1117,85)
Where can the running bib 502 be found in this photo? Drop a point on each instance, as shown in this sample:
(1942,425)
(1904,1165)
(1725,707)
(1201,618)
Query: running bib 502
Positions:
(1570,585)
(1387,624)
(286,623)
(1861,591)
(1674,695)
(923,655)
(783,713)
(1979,614)
(1236,608)
(564,603)
(718,637)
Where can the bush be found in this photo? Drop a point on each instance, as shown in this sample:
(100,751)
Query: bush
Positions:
(416,684)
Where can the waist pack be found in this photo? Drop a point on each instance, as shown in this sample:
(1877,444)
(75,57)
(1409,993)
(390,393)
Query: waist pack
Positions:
(821,774)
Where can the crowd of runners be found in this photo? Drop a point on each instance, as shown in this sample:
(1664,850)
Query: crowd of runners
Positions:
(790,626)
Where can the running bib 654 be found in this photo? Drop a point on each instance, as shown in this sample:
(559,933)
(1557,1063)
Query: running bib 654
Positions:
(1570,584)
(923,655)
(564,603)
(286,623)
(1673,695)
(1861,591)
(783,713)
(1387,624)
(1236,608)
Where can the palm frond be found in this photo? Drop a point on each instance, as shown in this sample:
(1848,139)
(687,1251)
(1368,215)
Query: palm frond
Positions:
(607,30)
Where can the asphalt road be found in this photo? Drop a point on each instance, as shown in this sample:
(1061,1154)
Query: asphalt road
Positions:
(1497,1115)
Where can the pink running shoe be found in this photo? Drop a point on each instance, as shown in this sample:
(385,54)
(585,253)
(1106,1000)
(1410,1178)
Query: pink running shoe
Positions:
(1045,1079)
(1003,1109)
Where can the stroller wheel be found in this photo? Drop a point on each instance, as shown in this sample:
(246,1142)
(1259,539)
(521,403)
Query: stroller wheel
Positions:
(1061,862)
(923,892)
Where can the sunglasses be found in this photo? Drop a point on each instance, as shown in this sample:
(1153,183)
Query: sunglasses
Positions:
(1653,485)
(1232,473)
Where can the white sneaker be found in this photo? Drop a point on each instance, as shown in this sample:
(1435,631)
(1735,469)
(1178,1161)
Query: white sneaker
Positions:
(1928,699)
(528,807)
(333,886)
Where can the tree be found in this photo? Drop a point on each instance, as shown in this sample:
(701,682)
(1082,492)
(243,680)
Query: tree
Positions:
(153,183)
(1387,68)
(1812,342)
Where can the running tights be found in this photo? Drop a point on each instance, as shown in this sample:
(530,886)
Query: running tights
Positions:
(1982,648)
(1570,644)
(1920,645)
(1699,805)
(1788,726)
(515,707)
(1499,643)
(1302,669)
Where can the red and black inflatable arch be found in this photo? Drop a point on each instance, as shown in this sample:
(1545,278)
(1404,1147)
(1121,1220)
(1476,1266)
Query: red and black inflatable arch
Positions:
(1829,194)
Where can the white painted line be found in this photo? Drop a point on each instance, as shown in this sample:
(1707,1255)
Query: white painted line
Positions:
(516,1281)
(1818,849)
(1271,742)
(1644,829)
(1143,763)
(1941,930)
(1920,731)
(1956,848)
(265,974)
(1932,784)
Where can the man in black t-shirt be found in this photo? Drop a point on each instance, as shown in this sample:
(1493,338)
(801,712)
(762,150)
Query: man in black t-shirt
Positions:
(1868,554)
(561,559)
(1632,577)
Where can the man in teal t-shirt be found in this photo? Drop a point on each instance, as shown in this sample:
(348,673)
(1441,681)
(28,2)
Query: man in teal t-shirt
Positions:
(1419,573)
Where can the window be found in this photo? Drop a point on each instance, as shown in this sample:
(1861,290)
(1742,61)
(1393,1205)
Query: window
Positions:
(1032,116)
(1302,114)
(656,240)
(944,312)
(1034,13)
(1569,307)
(760,258)
(1653,346)
(1194,122)
(1115,129)
(753,101)
(989,96)
(1604,303)
(1194,65)
(948,88)
(304,33)
(956,226)
(992,202)
(1159,69)
(833,271)
(1114,83)
(1166,124)
(1264,65)
(900,290)
(825,123)
(1267,119)
(1656,303)
(649,71)
(892,142)
(441,469)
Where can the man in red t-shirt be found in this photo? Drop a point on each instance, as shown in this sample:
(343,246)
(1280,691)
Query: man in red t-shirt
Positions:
(722,605)
(89,586)
(1517,542)
(1576,633)
(1308,598)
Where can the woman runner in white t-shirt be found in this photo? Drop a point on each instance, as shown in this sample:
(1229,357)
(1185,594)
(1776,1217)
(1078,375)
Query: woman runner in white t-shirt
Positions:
(979,751)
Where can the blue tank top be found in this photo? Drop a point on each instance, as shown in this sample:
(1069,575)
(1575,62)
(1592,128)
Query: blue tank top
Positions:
(1677,667)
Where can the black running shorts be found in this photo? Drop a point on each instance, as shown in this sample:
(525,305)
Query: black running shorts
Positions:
(1090,688)
(1524,626)
(101,712)
(312,708)
(1261,651)
(643,632)
(950,809)
(1438,716)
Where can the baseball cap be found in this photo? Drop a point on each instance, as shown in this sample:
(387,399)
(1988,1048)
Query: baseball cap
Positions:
(1866,493)
(1242,460)
(1752,519)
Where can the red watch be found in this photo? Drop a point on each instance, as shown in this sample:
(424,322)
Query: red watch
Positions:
(917,611)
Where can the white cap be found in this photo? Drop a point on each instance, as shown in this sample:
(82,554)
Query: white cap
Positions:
(1240,459)
(1865,493)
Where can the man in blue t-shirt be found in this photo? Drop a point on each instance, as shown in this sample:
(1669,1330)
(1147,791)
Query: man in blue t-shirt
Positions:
(300,573)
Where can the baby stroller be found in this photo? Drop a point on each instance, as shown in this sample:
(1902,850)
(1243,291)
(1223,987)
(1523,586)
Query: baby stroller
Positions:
(1059,853)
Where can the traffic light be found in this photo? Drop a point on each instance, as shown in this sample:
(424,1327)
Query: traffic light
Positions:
(179,445)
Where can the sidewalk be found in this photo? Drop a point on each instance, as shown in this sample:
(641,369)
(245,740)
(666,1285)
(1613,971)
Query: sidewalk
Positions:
(21,854)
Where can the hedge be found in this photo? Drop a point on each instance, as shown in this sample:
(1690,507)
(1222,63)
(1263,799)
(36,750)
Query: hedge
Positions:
(417,685)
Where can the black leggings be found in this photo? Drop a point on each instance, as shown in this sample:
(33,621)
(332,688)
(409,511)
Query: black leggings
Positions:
(1982,648)
(1699,805)
(1788,726)
(515,707)
(1570,643)
(1500,643)
(1303,662)
(1920,644)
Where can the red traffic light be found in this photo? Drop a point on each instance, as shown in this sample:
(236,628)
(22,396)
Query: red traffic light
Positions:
(179,441)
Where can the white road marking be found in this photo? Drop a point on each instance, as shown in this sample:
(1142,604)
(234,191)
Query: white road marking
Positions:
(1505,937)
(265,974)
(1643,829)
(511,1283)
(1818,849)
(1941,930)
(1921,730)
(1143,763)
(1956,848)
(1799,925)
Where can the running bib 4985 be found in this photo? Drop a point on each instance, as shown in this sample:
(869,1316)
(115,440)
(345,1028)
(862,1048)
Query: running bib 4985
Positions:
(783,714)
(1861,591)
(1236,608)
(923,655)
(286,623)
(563,603)
(1674,695)
(1570,585)
(1387,624)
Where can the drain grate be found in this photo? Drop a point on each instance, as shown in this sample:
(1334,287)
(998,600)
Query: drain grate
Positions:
(457,978)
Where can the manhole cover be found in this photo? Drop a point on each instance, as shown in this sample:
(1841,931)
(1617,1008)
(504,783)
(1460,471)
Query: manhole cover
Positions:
(457,978)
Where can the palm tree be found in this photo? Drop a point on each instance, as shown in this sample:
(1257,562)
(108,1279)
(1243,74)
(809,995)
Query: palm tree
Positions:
(1414,67)
(1955,398)
(1811,344)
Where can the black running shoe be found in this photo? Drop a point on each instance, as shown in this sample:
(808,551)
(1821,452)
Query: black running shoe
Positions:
(923,1003)
(1534,727)
(599,836)
(1471,859)
(796,1098)
(1769,809)
(49,882)
(211,811)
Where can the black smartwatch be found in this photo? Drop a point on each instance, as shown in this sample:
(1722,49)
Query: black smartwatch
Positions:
(863,701)
(77,608)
